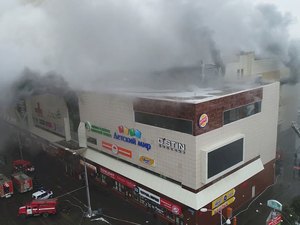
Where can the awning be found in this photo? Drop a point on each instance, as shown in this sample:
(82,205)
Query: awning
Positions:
(45,134)
(175,191)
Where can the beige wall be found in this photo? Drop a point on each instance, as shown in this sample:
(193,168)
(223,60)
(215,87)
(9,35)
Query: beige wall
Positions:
(259,130)
(52,109)
(110,111)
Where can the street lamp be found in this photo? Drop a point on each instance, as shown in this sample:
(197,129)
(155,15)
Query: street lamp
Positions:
(228,221)
(89,213)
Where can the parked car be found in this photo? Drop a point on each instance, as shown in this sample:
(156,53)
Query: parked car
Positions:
(42,194)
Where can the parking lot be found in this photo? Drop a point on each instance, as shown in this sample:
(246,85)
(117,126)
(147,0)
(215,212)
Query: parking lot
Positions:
(71,195)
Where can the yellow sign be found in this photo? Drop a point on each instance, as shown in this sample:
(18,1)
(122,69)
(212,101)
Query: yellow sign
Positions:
(222,206)
(146,160)
(223,198)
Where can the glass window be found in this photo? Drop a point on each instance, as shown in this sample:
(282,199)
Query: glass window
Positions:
(241,112)
(181,125)
(225,157)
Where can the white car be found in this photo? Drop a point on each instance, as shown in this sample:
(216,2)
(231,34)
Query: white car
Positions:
(42,194)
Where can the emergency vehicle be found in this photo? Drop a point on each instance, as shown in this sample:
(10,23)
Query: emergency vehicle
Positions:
(22,182)
(39,207)
(22,165)
(6,187)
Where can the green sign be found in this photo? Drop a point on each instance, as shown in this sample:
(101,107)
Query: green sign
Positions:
(274,204)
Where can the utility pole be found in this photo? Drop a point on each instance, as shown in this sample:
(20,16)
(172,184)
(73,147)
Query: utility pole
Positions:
(89,213)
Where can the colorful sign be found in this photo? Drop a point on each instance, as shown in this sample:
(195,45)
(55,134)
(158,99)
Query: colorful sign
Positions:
(274,204)
(117,149)
(203,120)
(223,198)
(274,218)
(171,145)
(119,178)
(146,160)
(130,136)
(176,209)
(222,206)
(130,132)
(96,129)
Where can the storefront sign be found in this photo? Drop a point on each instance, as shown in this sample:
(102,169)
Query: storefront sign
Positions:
(117,149)
(149,196)
(171,145)
(119,178)
(146,160)
(170,206)
(131,136)
(223,198)
(175,209)
(222,206)
(274,204)
(203,120)
(274,218)
(96,129)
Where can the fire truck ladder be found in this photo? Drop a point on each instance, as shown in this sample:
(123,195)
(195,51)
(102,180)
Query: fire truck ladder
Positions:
(296,128)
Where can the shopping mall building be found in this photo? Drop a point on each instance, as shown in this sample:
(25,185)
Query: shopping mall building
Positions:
(171,153)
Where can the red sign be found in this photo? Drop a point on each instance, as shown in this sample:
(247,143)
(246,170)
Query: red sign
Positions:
(119,178)
(117,149)
(275,221)
(203,120)
(170,206)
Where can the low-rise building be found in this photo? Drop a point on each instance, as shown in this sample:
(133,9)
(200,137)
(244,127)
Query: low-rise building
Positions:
(173,153)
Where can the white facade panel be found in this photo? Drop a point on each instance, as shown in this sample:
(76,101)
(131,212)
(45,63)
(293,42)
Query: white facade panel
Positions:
(48,112)
(112,114)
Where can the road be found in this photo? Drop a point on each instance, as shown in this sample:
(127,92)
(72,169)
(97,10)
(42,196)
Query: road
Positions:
(71,195)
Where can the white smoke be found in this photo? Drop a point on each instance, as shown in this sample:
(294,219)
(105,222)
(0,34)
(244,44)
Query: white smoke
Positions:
(120,39)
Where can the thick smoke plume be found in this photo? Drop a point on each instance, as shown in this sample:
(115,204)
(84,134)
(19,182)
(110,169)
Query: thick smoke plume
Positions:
(112,43)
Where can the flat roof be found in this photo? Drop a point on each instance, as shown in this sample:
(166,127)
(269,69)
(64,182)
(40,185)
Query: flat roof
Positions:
(191,94)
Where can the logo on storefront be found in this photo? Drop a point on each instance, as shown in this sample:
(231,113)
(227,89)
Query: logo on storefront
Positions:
(117,150)
(129,132)
(171,145)
(203,120)
(96,129)
(223,201)
(175,209)
(131,136)
(146,160)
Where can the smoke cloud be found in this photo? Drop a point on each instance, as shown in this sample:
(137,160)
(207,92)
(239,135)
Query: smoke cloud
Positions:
(118,42)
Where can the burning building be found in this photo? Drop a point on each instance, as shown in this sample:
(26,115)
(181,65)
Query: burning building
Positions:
(173,153)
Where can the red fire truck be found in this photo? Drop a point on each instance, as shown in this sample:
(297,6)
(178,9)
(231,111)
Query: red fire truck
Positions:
(22,182)
(23,165)
(38,207)
(6,187)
